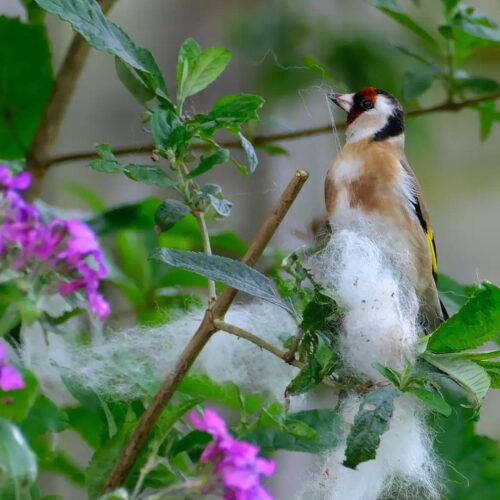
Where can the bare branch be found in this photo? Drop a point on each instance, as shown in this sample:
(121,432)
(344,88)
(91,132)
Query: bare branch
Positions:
(239,332)
(206,329)
(39,155)
(280,136)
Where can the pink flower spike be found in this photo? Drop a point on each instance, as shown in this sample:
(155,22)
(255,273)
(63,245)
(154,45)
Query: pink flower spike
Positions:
(22,181)
(210,422)
(10,379)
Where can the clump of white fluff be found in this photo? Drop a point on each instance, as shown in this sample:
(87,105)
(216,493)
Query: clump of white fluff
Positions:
(380,325)
(381,307)
(226,358)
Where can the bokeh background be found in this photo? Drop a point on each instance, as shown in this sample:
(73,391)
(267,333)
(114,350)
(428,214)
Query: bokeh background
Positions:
(270,40)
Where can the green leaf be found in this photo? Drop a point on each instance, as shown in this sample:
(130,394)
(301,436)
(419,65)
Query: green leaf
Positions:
(468,374)
(420,57)
(17,404)
(221,206)
(149,174)
(168,130)
(487,117)
(449,5)
(493,370)
(327,426)
(391,8)
(308,377)
(371,421)
(87,424)
(231,272)
(198,385)
(453,291)
(18,468)
(44,417)
(196,69)
(232,111)
(477,84)
(132,83)
(390,374)
(432,400)
(169,213)
(131,216)
(477,322)
(87,18)
(471,461)
(104,459)
(416,82)
(25,85)
(252,160)
(207,162)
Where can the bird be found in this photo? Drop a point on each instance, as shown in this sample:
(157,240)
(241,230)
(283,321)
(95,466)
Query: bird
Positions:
(372,187)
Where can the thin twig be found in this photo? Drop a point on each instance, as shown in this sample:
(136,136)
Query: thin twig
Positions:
(39,155)
(207,248)
(239,332)
(280,136)
(206,329)
(254,339)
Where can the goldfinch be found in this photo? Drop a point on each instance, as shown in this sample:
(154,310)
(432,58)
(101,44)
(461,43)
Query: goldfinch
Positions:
(372,188)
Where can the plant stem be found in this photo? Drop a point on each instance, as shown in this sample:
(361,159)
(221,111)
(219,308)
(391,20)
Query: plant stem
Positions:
(280,136)
(239,332)
(200,217)
(39,155)
(203,334)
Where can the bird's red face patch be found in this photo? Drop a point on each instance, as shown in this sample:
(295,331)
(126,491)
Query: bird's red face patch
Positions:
(363,100)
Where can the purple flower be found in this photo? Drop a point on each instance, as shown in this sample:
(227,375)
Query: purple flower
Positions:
(10,378)
(66,247)
(236,464)
(8,180)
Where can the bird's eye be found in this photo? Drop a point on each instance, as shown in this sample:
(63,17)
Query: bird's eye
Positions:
(366,104)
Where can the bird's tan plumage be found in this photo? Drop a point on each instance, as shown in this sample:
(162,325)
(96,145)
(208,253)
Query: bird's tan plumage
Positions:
(371,186)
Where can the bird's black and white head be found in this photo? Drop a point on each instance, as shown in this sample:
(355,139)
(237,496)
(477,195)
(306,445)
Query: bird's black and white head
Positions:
(372,113)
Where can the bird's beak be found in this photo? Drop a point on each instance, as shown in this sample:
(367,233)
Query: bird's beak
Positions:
(343,101)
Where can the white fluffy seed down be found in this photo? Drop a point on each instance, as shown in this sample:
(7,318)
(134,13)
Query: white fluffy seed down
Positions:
(226,358)
(380,324)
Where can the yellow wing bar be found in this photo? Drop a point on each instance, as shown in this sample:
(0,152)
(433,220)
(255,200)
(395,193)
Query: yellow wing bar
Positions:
(432,246)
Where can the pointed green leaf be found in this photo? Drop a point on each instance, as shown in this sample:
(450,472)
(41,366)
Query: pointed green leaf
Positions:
(493,369)
(391,8)
(87,18)
(198,69)
(207,162)
(432,400)
(477,322)
(327,426)
(132,83)
(469,375)
(233,273)
(17,404)
(25,84)
(18,464)
(416,82)
(169,213)
(371,421)
(309,377)
(252,160)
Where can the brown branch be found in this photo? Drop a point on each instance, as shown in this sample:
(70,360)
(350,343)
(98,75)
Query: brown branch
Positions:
(239,332)
(279,136)
(206,329)
(39,155)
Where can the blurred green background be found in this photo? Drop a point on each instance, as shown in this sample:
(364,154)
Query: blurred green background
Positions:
(274,44)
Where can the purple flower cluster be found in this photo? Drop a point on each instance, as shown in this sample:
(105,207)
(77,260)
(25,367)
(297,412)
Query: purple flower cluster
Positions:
(67,247)
(236,464)
(10,378)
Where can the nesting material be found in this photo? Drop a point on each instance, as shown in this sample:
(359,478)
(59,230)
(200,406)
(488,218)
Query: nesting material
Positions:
(380,325)
(226,358)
